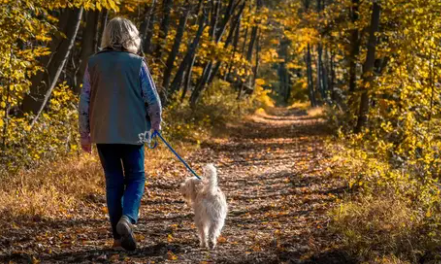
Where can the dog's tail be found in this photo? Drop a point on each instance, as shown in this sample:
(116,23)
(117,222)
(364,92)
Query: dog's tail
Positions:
(211,174)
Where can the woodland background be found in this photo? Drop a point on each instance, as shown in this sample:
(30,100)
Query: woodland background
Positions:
(370,68)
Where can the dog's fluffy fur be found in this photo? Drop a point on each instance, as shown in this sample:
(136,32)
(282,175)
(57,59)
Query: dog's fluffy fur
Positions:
(209,205)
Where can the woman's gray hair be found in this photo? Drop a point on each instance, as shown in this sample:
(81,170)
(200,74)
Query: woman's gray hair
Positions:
(120,33)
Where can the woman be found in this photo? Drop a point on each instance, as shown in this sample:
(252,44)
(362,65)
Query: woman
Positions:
(118,103)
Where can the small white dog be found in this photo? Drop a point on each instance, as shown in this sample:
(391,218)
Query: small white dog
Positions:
(209,205)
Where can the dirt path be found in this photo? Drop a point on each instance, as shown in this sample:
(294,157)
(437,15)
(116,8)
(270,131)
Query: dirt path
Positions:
(273,171)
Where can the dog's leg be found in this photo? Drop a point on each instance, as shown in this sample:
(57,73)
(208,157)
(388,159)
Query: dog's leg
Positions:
(203,236)
(214,233)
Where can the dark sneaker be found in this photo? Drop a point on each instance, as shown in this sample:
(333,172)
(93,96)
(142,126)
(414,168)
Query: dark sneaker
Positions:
(125,229)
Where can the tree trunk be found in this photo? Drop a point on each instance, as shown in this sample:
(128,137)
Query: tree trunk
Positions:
(103,22)
(201,85)
(311,92)
(198,9)
(355,47)
(320,71)
(209,67)
(230,36)
(45,81)
(332,76)
(251,45)
(6,95)
(189,56)
(227,16)
(368,73)
(174,52)
(235,45)
(188,78)
(283,71)
(214,17)
(165,24)
(145,17)
(324,73)
(87,45)
(257,60)
(147,28)
(40,78)
(244,44)
(189,71)
(320,87)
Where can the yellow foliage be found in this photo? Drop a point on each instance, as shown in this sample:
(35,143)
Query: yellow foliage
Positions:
(55,134)
(261,96)
(371,226)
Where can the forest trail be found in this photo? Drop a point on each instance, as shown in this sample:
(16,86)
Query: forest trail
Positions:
(273,170)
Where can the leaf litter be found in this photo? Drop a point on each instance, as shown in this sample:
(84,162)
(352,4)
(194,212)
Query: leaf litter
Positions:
(273,169)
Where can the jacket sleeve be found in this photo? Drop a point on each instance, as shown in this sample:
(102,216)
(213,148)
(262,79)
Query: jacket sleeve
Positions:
(84,106)
(151,97)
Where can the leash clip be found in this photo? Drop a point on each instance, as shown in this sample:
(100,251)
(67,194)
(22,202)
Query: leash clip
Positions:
(152,138)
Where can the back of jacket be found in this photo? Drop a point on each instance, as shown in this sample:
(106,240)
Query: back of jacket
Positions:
(117,112)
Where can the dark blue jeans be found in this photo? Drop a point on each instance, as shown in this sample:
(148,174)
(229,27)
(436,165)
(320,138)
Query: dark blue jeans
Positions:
(125,177)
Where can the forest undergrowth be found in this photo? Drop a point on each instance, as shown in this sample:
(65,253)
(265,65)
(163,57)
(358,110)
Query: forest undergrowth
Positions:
(272,168)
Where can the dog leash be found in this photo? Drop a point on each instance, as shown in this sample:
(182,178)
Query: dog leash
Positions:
(156,133)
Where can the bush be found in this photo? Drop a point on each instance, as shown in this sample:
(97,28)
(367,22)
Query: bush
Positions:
(392,212)
(375,227)
(54,134)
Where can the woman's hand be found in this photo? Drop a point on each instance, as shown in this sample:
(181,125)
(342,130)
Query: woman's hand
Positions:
(150,135)
(86,144)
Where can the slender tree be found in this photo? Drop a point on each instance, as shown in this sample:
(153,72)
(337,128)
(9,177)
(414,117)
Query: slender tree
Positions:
(368,67)
(103,22)
(164,27)
(235,46)
(235,24)
(146,28)
(311,92)
(189,55)
(189,70)
(44,82)
(175,49)
(88,44)
(206,75)
(355,46)
(283,73)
